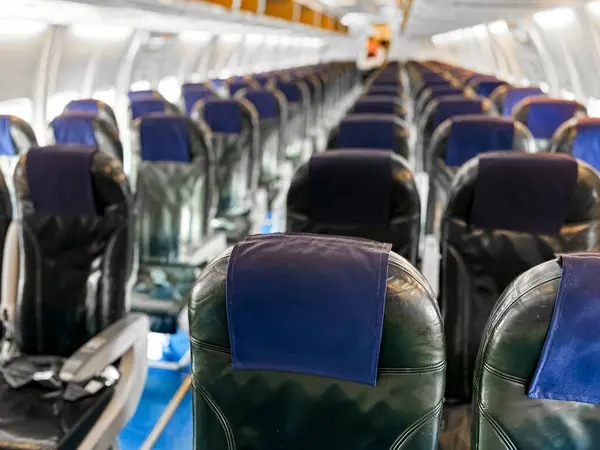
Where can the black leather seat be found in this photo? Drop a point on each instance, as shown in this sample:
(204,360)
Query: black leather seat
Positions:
(580,138)
(543,116)
(177,199)
(432,93)
(90,105)
(336,193)
(505,417)
(191,93)
(234,134)
(263,409)
(86,128)
(485,85)
(456,141)
(381,131)
(151,105)
(236,84)
(481,258)
(506,97)
(381,104)
(73,242)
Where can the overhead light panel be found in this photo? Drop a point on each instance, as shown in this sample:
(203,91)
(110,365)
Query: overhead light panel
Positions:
(353,20)
(230,38)
(195,36)
(100,33)
(498,27)
(594,8)
(20,29)
(555,18)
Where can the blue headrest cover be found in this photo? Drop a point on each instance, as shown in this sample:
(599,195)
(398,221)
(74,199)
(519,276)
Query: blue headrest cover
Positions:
(165,138)
(147,106)
(350,187)
(60,181)
(265,103)
(529,193)
(7,146)
(140,95)
(568,367)
(545,117)
(291,91)
(470,136)
(261,79)
(383,89)
(285,291)
(449,107)
(485,88)
(223,116)
(432,76)
(438,91)
(88,105)
(192,93)
(514,95)
(368,133)
(237,86)
(383,106)
(75,128)
(586,145)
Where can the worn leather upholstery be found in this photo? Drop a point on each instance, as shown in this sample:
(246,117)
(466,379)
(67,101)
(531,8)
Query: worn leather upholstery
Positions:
(270,410)
(477,264)
(74,280)
(504,416)
(401,230)
(579,137)
(103,110)
(441,175)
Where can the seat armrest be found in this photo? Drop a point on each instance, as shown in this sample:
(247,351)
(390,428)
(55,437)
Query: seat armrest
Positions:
(105,348)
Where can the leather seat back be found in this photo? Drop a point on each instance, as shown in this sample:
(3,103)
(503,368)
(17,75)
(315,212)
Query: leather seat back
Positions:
(234,134)
(235,85)
(479,262)
(381,131)
(191,93)
(484,85)
(146,106)
(176,188)
(262,409)
(297,96)
(76,247)
(86,128)
(432,93)
(346,216)
(380,104)
(543,116)
(505,417)
(90,105)
(580,138)
(506,97)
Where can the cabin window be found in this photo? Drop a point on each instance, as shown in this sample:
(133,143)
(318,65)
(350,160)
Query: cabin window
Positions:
(20,107)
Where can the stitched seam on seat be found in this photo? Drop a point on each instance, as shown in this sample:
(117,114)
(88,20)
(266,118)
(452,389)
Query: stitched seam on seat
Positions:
(497,428)
(217,411)
(416,426)
(504,376)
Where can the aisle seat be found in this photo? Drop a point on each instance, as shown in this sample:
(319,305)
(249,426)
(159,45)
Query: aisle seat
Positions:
(90,105)
(580,138)
(194,92)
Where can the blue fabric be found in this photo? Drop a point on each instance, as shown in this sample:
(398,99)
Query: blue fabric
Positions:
(60,181)
(350,187)
(545,117)
(165,138)
(586,145)
(449,107)
(376,106)
(265,102)
(291,91)
(515,94)
(485,88)
(88,105)
(524,192)
(140,95)
(383,90)
(438,91)
(368,132)
(192,93)
(7,146)
(75,128)
(470,136)
(141,108)
(568,367)
(261,79)
(432,76)
(237,86)
(284,292)
(223,116)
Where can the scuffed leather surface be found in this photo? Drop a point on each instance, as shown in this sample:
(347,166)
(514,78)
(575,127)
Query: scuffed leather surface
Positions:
(505,418)
(22,135)
(74,270)
(477,265)
(260,410)
(403,226)
(401,144)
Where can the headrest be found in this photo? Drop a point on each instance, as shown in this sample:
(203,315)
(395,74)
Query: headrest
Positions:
(88,105)
(165,138)
(529,193)
(140,95)
(60,182)
(350,187)
(262,79)
(432,76)
(448,107)
(568,367)
(486,87)
(144,107)
(376,105)
(235,86)
(7,145)
(546,115)
(586,145)
(283,293)
(514,95)
(291,91)
(368,131)
(264,102)
(192,93)
(223,116)
(443,90)
(75,128)
(472,135)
